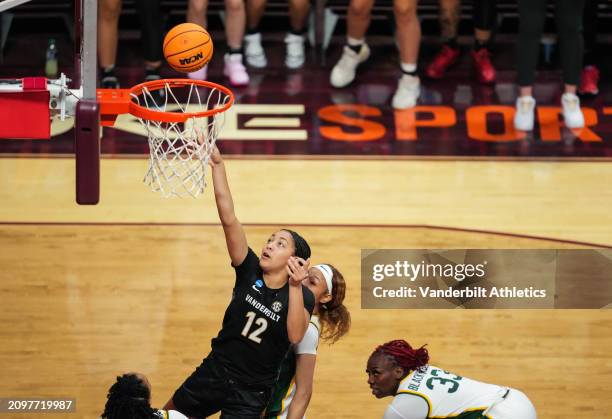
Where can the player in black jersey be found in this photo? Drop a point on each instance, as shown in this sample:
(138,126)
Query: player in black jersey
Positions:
(269,311)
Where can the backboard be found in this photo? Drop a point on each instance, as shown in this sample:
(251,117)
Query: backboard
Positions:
(38,98)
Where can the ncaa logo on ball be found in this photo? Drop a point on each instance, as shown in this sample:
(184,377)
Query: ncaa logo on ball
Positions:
(277,306)
(191,59)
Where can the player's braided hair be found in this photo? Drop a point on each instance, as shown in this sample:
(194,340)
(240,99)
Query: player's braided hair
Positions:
(128,398)
(404,355)
(335,318)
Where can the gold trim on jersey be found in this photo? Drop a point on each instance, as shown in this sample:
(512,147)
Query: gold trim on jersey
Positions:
(282,409)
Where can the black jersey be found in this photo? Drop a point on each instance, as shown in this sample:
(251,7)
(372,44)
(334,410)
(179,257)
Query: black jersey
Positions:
(253,340)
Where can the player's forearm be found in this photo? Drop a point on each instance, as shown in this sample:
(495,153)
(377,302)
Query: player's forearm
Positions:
(297,408)
(235,238)
(223,195)
(297,320)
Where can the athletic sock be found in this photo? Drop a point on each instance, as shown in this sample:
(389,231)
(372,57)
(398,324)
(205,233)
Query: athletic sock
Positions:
(355,44)
(108,71)
(298,32)
(409,69)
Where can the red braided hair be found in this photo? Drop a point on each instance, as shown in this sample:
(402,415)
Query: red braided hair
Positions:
(404,355)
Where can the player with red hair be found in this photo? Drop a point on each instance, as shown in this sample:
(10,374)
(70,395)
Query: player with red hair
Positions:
(423,391)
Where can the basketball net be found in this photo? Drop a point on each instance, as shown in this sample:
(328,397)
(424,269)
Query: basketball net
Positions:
(179,151)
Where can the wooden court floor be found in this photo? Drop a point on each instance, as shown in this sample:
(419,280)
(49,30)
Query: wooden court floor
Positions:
(140,284)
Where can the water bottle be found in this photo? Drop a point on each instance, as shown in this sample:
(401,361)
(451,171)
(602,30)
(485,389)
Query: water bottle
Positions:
(548,47)
(51,62)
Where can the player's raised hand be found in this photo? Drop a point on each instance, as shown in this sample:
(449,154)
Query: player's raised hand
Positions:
(215,157)
(297,268)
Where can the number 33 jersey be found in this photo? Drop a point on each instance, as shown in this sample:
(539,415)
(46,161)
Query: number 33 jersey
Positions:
(253,340)
(450,395)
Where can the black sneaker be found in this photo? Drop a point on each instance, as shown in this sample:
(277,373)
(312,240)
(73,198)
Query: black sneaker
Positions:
(109,80)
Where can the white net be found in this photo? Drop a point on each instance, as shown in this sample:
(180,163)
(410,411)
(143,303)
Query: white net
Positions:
(179,151)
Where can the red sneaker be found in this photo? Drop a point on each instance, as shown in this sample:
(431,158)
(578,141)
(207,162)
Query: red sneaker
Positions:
(588,81)
(485,72)
(442,61)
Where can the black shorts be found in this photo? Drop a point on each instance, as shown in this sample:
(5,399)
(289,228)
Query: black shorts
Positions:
(209,390)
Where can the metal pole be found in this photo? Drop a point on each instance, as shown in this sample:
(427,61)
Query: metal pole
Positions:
(87,125)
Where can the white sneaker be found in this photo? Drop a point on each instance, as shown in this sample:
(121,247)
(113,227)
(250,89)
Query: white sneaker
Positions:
(571,111)
(525,113)
(200,74)
(253,51)
(407,93)
(343,72)
(235,70)
(295,51)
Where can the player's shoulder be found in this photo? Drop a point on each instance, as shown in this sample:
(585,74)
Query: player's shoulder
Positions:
(250,259)
(313,332)
(248,268)
(310,341)
(315,324)
(408,406)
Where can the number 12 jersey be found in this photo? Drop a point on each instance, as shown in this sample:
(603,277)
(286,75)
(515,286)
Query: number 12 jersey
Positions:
(253,340)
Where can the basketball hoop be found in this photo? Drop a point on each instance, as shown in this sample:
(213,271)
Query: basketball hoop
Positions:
(182,119)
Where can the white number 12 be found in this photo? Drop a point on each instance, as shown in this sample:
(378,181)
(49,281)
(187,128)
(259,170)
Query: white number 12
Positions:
(261,322)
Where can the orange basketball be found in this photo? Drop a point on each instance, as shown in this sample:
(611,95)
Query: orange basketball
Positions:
(187,47)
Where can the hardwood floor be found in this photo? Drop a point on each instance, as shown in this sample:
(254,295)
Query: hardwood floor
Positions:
(139,283)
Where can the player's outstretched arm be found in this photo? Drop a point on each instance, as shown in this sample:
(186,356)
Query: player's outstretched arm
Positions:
(304,375)
(235,237)
(297,317)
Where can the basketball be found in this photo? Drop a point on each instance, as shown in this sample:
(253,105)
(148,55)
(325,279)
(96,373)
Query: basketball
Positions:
(188,47)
